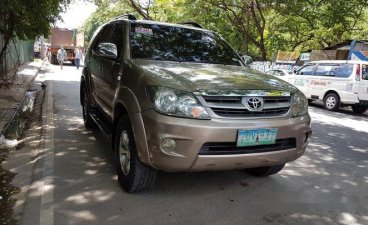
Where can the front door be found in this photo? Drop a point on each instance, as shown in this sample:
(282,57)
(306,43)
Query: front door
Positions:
(111,71)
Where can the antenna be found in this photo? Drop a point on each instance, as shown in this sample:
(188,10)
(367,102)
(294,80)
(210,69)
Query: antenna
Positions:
(127,16)
(190,23)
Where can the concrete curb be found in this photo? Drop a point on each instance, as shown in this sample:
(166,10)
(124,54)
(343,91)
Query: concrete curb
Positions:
(11,98)
(25,163)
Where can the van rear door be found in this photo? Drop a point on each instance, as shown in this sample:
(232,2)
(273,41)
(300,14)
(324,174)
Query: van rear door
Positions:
(363,83)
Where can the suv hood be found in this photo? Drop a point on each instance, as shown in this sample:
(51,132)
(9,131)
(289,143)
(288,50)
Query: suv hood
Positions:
(210,77)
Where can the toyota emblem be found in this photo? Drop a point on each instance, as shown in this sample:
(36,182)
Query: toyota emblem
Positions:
(253,103)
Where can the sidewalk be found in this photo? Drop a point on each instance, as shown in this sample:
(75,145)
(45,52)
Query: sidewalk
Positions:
(11,97)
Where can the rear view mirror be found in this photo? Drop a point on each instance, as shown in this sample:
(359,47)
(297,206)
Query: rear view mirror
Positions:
(107,50)
(247,59)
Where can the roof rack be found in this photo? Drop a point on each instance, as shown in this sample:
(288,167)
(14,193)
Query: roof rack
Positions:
(190,23)
(127,16)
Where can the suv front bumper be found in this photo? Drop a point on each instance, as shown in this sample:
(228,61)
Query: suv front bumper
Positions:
(190,135)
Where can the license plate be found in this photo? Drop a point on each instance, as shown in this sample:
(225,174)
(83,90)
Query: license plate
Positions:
(254,137)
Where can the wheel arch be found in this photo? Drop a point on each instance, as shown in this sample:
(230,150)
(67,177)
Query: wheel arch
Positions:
(330,92)
(133,111)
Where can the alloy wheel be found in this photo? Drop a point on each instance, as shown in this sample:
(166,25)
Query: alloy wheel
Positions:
(124,153)
(331,102)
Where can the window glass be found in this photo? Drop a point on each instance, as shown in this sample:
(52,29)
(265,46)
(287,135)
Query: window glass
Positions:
(343,70)
(365,72)
(117,37)
(160,42)
(358,46)
(271,72)
(323,70)
(365,47)
(307,70)
(104,35)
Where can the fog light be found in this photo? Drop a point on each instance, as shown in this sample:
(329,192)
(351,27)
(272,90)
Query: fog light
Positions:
(168,144)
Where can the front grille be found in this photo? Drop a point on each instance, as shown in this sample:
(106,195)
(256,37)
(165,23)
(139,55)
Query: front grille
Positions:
(222,99)
(230,148)
(244,112)
(231,106)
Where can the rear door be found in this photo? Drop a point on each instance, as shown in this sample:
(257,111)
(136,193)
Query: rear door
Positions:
(363,84)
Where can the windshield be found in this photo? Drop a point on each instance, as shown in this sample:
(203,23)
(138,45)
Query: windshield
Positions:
(158,42)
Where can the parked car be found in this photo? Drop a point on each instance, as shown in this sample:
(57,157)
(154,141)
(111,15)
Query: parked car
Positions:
(280,73)
(176,97)
(335,82)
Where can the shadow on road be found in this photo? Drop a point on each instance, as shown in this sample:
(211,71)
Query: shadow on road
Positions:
(328,185)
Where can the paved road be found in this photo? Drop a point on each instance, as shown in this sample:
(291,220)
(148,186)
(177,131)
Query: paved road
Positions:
(328,185)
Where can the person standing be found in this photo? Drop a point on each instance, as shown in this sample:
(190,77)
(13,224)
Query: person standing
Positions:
(61,56)
(49,54)
(77,56)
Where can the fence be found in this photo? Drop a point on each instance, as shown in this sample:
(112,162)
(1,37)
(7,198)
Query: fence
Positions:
(17,53)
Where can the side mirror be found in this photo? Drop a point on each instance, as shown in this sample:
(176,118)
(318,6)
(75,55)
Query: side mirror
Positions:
(247,59)
(107,50)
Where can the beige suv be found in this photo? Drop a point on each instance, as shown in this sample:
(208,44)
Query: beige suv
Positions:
(176,97)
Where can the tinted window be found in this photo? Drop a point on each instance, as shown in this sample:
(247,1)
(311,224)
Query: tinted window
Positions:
(343,70)
(323,70)
(117,37)
(307,70)
(160,42)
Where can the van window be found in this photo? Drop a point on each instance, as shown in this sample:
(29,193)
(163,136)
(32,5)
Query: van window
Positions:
(365,72)
(323,70)
(343,70)
(307,70)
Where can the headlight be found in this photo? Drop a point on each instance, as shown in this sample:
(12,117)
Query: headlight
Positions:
(176,103)
(300,104)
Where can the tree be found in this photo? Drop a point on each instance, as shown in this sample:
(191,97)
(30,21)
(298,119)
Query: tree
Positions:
(260,28)
(27,19)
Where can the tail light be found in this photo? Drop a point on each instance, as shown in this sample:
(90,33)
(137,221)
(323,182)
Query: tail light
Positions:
(357,72)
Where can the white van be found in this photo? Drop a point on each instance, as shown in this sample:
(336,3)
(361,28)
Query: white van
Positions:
(335,82)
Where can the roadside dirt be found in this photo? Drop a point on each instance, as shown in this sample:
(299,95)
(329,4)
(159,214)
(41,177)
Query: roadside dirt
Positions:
(6,191)
(31,134)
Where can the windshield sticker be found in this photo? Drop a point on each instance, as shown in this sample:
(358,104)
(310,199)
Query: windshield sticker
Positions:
(142,30)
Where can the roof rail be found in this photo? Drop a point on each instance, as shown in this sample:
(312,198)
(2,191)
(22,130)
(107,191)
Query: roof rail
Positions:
(190,23)
(127,16)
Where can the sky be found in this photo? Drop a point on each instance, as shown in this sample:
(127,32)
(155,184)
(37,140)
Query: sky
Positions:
(77,12)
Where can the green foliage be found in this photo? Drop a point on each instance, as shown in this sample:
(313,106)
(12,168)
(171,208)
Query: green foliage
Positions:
(27,19)
(255,27)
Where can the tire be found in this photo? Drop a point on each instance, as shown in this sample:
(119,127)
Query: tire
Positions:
(332,102)
(88,122)
(133,175)
(359,109)
(265,171)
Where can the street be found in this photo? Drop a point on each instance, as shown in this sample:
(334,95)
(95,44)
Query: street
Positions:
(327,185)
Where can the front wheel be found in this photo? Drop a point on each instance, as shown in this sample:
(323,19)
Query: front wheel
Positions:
(359,109)
(133,175)
(332,102)
(265,171)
